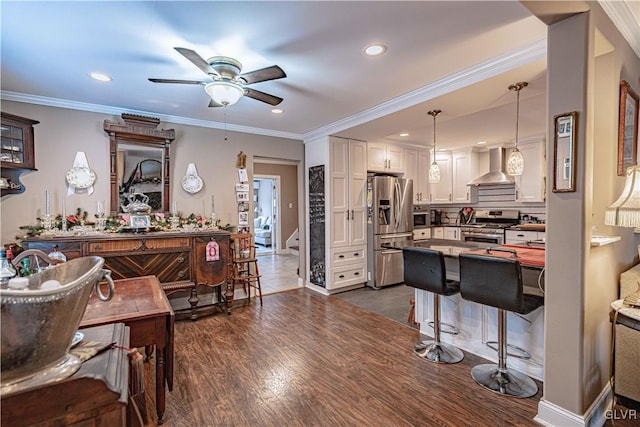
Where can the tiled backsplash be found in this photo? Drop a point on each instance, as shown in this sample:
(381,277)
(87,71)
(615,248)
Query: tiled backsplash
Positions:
(450,212)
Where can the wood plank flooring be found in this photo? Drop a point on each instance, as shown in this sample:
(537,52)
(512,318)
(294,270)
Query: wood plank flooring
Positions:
(304,359)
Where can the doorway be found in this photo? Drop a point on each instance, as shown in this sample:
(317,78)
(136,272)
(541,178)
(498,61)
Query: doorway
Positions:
(266,208)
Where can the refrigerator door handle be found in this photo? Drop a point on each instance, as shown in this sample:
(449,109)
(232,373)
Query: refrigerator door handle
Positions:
(390,251)
(395,236)
(396,204)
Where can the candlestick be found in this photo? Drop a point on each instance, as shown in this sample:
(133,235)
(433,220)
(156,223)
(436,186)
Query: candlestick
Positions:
(174,209)
(204,210)
(100,208)
(64,208)
(213,204)
(47,203)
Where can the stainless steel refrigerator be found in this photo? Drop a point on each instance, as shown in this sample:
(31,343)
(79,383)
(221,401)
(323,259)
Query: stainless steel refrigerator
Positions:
(389,228)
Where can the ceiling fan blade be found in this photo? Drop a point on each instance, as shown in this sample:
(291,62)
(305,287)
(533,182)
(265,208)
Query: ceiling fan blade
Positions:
(186,82)
(262,75)
(197,60)
(212,103)
(261,96)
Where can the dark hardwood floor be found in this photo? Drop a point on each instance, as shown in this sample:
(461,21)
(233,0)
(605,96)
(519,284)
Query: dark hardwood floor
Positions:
(304,359)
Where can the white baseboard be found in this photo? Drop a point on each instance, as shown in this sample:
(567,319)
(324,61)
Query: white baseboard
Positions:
(550,414)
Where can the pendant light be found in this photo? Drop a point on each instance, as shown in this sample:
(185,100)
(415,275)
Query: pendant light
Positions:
(434,169)
(515,162)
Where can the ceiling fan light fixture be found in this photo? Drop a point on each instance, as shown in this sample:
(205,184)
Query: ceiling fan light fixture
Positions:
(223,92)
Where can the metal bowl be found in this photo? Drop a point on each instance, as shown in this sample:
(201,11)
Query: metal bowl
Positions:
(38,325)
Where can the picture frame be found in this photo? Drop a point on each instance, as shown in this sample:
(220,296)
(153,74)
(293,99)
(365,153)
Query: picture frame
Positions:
(243,218)
(242,187)
(242,196)
(627,128)
(140,221)
(565,152)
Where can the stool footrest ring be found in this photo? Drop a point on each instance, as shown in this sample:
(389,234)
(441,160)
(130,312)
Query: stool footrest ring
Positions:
(439,353)
(506,382)
(448,328)
(521,353)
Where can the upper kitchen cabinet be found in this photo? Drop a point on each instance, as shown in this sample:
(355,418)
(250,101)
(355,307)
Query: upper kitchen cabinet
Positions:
(442,192)
(416,167)
(17,151)
(465,169)
(530,186)
(384,158)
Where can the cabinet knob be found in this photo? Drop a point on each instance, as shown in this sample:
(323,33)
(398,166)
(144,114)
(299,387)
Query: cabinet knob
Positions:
(340,256)
(97,247)
(356,254)
(181,273)
(341,276)
(357,273)
(180,260)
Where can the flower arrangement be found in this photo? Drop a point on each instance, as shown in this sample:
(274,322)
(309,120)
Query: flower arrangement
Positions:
(114,224)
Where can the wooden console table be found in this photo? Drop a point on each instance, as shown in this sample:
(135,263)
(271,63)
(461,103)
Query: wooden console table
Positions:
(95,395)
(177,259)
(141,304)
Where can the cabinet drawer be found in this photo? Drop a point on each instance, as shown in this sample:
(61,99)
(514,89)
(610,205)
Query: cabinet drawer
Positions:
(346,256)
(421,234)
(70,249)
(168,267)
(520,236)
(347,277)
(131,245)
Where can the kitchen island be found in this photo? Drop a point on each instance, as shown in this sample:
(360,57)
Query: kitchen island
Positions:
(478,323)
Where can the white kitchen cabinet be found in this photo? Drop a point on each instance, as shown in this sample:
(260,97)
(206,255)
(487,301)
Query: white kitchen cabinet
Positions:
(464,170)
(441,192)
(518,237)
(437,232)
(421,234)
(452,233)
(338,258)
(348,206)
(530,186)
(416,167)
(384,157)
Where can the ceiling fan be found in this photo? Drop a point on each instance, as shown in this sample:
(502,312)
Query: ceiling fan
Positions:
(228,85)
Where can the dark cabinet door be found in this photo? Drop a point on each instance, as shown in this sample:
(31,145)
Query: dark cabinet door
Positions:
(211,272)
(167,267)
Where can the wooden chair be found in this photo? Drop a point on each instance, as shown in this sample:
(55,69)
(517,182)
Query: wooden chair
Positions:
(38,260)
(244,264)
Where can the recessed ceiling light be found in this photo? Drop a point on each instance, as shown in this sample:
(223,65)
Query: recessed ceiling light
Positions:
(100,77)
(404,134)
(375,50)
(277,111)
(481,142)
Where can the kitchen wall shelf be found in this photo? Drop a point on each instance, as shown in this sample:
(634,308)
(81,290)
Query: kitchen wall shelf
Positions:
(16,150)
(603,240)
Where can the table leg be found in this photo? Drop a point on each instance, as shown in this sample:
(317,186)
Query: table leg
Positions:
(160,382)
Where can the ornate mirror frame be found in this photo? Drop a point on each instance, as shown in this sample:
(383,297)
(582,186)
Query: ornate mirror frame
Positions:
(139,130)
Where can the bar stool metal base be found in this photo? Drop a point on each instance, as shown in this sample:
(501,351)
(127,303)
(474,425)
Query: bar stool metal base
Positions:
(506,382)
(438,352)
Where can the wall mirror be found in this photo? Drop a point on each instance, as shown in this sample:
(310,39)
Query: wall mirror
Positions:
(627,128)
(565,152)
(139,156)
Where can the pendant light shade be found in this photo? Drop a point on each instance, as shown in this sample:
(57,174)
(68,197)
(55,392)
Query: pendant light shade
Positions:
(625,212)
(515,162)
(434,169)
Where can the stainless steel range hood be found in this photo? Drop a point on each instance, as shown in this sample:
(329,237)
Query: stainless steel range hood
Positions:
(496,174)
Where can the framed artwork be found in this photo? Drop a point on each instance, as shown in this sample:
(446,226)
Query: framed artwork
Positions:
(627,128)
(242,187)
(565,152)
(140,221)
(242,196)
(243,218)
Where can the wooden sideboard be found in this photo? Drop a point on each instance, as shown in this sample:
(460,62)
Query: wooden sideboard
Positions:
(178,260)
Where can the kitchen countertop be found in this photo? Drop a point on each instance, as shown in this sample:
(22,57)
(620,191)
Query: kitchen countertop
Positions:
(528,256)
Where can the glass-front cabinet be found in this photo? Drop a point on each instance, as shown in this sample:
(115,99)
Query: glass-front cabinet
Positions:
(16,151)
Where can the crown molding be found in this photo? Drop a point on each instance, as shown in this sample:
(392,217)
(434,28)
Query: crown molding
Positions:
(626,20)
(490,68)
(106,109)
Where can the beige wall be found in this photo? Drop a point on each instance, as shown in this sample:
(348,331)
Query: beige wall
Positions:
(581,281)
(63,132)
(288,195)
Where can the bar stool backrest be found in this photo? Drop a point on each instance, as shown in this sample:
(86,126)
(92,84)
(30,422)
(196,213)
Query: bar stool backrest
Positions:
(492,281)
(425,269)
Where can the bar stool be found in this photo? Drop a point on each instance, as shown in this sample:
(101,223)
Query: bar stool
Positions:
(497,282)
(244,264)
(425,269)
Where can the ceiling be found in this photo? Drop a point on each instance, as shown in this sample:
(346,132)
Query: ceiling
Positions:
(459,57)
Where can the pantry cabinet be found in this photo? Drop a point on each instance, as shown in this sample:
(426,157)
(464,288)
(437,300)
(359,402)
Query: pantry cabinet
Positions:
(442,192)
(416,167)
(384,158)
(465,169)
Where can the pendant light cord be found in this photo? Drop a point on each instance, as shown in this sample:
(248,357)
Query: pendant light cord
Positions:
(225,122)
(517,114)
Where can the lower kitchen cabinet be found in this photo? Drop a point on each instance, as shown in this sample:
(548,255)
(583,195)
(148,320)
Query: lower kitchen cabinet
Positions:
(452,233)
(518,237)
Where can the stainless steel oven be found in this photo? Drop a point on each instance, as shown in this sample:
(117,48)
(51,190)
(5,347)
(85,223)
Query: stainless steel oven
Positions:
(421,216)
(483,237)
